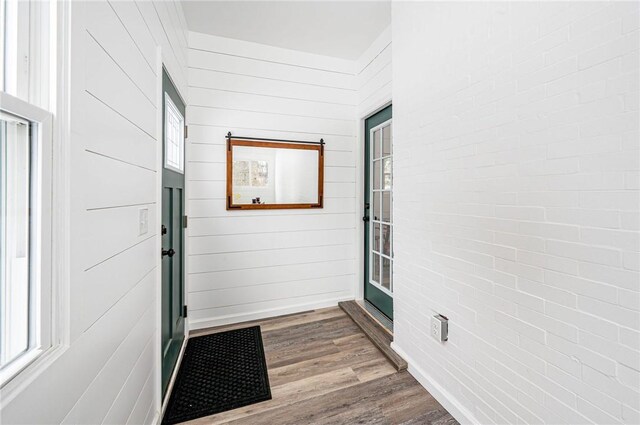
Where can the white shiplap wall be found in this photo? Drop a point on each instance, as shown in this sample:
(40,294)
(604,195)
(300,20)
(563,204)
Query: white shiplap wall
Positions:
(108,373)
(248,264)
(516,207)
(374,75)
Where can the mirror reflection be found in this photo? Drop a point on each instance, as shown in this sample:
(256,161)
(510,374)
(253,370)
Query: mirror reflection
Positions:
(274,175)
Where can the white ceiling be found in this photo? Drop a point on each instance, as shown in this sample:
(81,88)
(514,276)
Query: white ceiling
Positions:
(342,29)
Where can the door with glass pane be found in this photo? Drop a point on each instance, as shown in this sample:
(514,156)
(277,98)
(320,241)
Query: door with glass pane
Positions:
(378,243)
(172,231)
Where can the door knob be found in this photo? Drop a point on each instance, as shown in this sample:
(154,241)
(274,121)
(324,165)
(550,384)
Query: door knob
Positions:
(365,218)
(171,252)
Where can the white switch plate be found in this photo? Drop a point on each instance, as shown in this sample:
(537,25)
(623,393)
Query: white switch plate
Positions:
(440,328)
(144,221)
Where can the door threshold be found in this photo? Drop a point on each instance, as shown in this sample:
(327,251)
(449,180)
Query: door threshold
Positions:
(172,380)
(379,335)
(377,314)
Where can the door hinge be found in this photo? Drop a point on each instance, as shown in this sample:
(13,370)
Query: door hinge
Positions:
(185,221)
(184,311)
(186,131)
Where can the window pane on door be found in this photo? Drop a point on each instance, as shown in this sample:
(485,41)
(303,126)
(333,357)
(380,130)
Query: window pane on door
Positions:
(386,207)
(386,141)
(14,237)
(376,175)
(173,137)
(375,273)
(386,239)
(376,206)
(386,273)
(376,237)
(376,144)
(386,171)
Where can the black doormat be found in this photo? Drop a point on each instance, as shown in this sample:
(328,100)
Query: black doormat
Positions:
(219,372)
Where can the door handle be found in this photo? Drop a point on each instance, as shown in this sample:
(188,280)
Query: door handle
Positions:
(171,252)
(365,218)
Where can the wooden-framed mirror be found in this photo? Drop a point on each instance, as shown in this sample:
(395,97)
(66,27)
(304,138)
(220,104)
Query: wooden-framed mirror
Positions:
(272,174)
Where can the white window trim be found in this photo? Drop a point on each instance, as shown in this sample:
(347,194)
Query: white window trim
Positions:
(40,206)
(54,93)
(29,34)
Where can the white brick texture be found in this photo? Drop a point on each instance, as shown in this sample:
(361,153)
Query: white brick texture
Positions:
(516,203)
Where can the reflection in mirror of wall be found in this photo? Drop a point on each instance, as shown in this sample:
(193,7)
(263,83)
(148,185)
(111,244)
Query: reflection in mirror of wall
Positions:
(270,175)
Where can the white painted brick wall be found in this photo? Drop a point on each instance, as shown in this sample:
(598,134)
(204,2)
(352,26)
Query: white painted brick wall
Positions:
(517,206)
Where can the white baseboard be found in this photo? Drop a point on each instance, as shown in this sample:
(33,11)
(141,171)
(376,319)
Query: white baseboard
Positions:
(263,314)
(444,397)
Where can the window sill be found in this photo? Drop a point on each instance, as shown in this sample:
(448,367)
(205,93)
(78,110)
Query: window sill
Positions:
(18,365)
(24,370)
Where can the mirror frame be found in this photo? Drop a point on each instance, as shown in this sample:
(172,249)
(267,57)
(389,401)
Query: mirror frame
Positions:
(231,142)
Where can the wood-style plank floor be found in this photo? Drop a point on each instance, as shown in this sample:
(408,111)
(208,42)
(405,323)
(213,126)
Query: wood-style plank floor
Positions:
(324,370)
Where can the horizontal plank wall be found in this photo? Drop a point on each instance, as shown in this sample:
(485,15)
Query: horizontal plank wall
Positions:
(248,264)
(108,372)
(374,75)
(516,182)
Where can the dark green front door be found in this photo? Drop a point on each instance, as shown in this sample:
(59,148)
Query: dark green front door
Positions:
(173,112)
(378,207)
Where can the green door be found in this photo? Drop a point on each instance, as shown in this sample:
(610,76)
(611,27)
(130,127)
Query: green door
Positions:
(378,207)
(173,311)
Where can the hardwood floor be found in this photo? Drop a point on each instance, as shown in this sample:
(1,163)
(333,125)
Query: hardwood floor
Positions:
(324,370)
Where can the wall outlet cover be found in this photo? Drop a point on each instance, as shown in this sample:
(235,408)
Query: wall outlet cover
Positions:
(440,328)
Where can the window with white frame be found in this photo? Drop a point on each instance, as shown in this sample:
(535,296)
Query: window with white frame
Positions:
(173,136)
(14,237)
(25,185)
